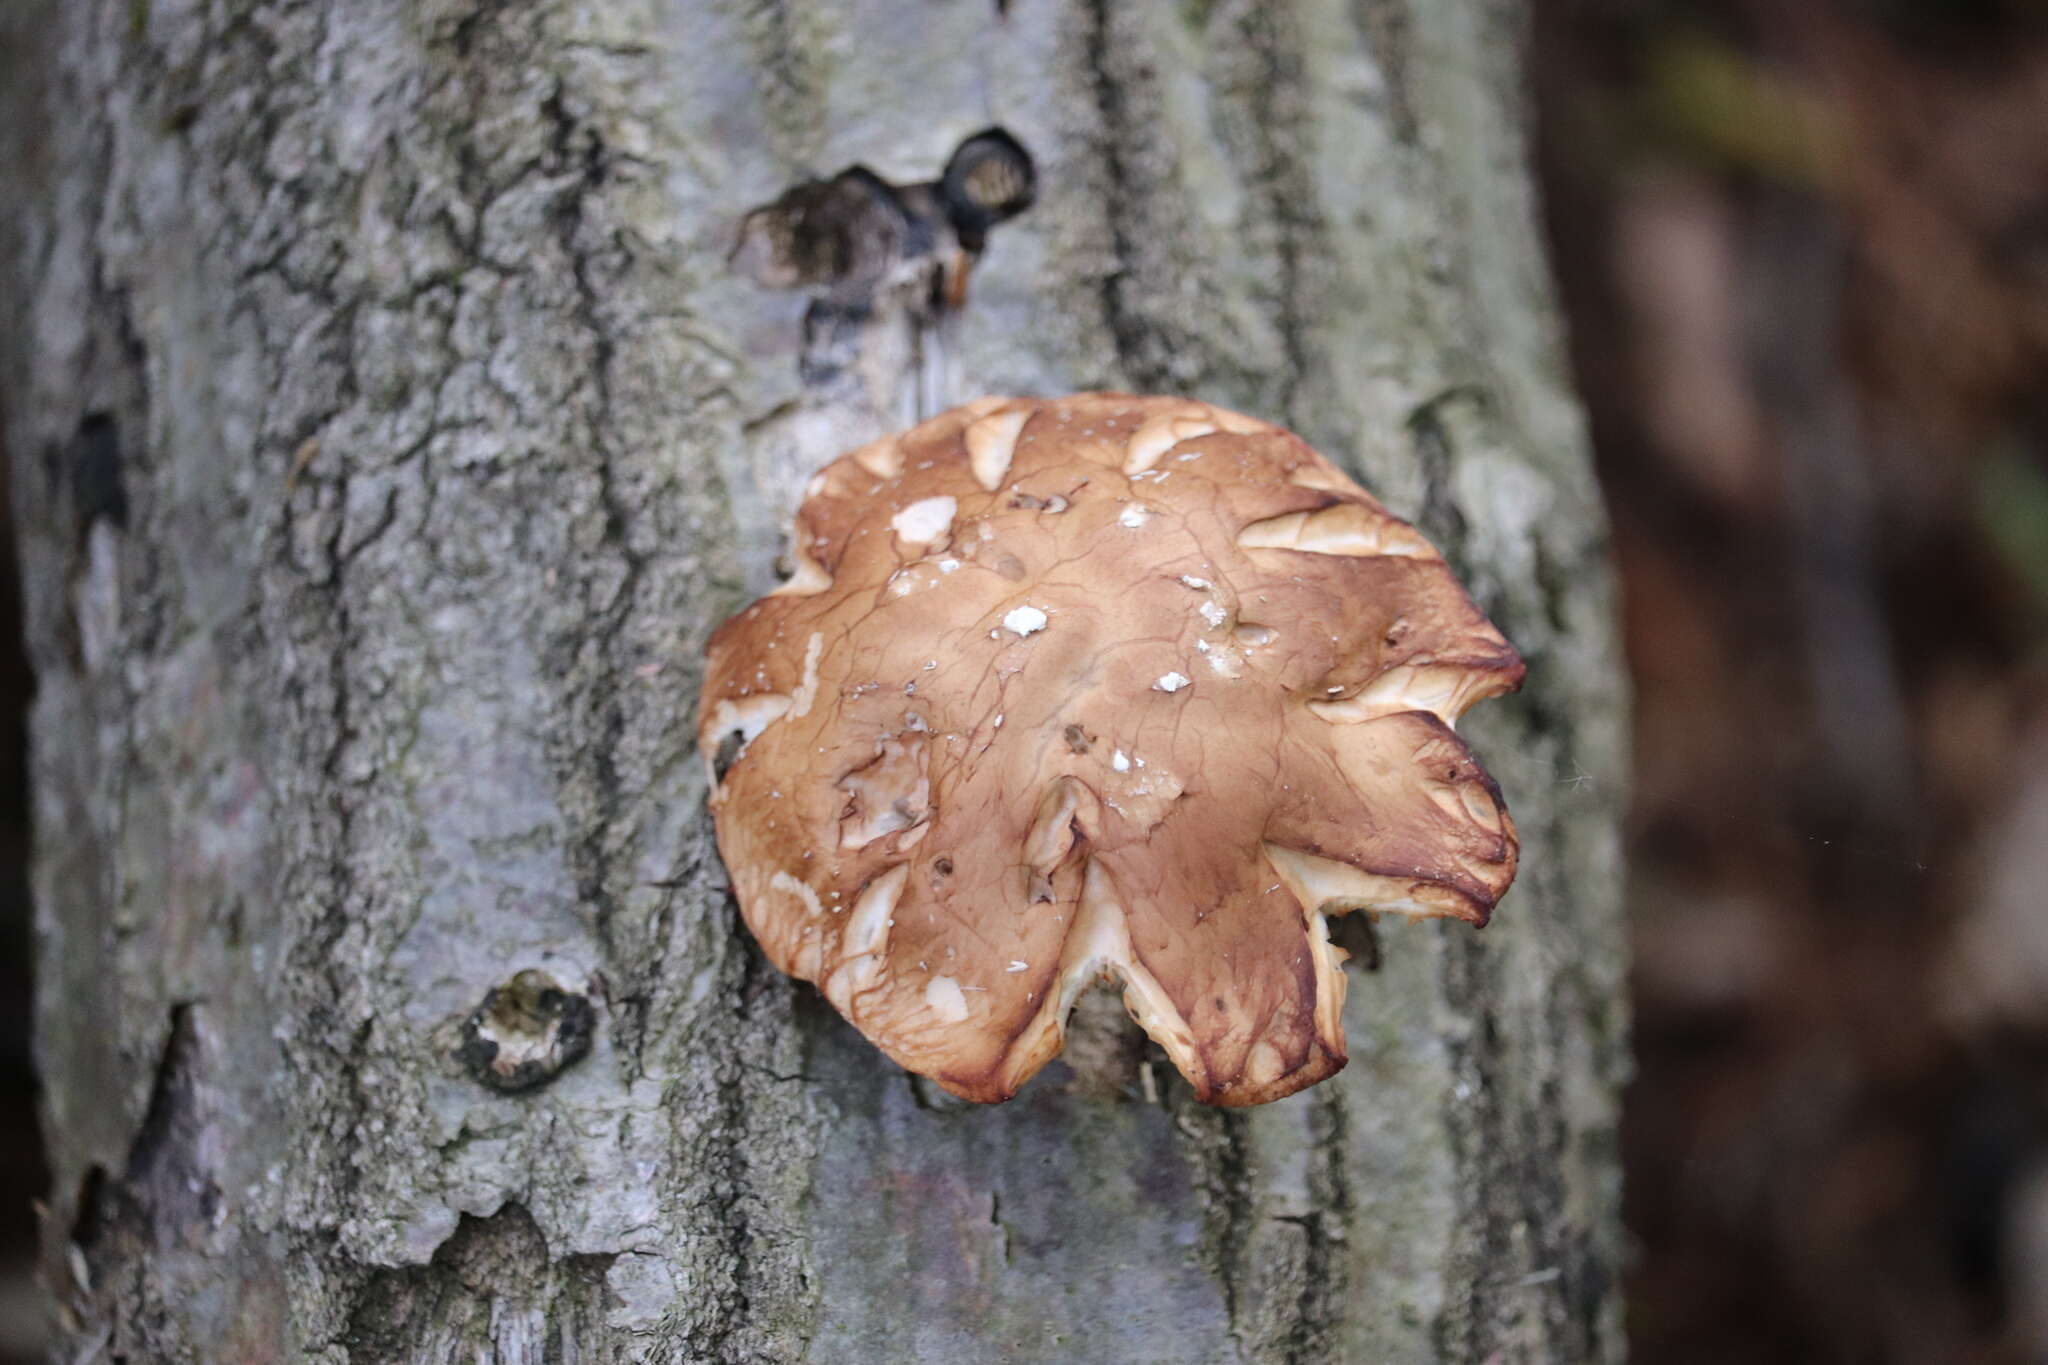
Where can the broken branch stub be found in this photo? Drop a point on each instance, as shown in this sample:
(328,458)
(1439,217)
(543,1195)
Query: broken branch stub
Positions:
(846,239)
(1100,688)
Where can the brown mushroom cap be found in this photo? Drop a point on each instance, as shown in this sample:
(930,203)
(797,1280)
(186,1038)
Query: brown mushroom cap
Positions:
(1100,687)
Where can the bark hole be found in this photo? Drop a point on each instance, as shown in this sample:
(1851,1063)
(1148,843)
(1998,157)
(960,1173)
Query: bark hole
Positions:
(92,466)
(490,1292)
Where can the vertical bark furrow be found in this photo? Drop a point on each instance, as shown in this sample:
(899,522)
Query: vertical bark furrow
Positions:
(1113,87)
(1277,166)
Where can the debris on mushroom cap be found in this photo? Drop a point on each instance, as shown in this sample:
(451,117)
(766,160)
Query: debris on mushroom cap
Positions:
(1155,750)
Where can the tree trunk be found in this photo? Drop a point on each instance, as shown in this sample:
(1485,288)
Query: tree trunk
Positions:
(388,432)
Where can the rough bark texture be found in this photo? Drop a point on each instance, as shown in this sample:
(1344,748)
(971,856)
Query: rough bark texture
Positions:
(387,434)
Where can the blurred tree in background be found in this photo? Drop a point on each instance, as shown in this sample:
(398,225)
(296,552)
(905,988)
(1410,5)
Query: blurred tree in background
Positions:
(1804,250)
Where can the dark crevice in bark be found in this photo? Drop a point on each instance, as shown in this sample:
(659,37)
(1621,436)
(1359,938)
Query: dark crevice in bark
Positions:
(724,1164)
(1221,1155)
(97,477)
(470,1301)
(1566,1263)
(1325,1282)
(1387,28)
(601,641)
(162,1187)
(164,1201)
(1283,153)
(1429,438)
(93,464)
(787,76)
(1136,343)
(165,1167)
(1483,1259)
(483,14)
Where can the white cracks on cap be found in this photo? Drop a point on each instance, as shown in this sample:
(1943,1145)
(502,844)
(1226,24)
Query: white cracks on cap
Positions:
(883,458)
(862,949)
(1323,887)
(1236,423)
(1329,887)
(782,881)
(1327,960)
(807,576)
(1100,948)
(1171,682)
(943,996)
(1024,620)
(991,445)
(891,792)
(1157,435)
(748,716)
(1347,528)
(1446,691)
(976,407)
(807,690)
(925,520)
(1066,809)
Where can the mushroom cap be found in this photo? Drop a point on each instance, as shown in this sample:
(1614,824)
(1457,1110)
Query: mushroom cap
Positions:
(1100,687)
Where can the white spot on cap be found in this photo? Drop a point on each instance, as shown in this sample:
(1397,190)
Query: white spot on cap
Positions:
(1213,614)
(1120,761)
(1024,620)
(942,995)
(1171,682)
(1198,584)
(1132,515)
(925,520)
(1018,967)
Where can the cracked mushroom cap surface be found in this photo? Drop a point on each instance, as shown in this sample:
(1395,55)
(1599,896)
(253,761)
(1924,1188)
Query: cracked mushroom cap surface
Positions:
(1100,688)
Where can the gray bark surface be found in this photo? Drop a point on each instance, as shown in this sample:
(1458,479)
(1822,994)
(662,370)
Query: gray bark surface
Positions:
(387,434)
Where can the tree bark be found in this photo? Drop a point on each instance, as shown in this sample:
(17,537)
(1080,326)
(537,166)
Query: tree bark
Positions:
(387,434)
